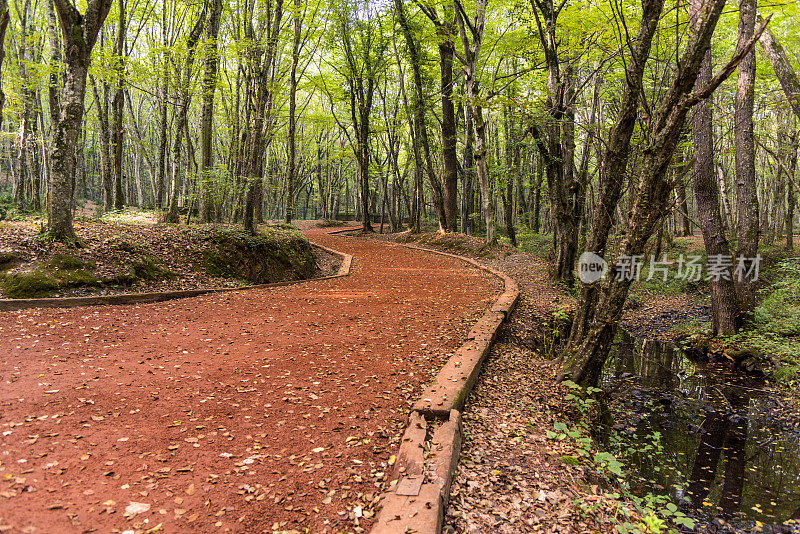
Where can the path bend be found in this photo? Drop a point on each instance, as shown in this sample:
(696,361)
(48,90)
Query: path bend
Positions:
(234,412)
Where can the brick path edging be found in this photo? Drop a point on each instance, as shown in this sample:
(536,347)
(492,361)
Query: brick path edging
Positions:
(419,488)
(159,296)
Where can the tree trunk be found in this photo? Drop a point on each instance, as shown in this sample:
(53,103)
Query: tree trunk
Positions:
(182,114)
(206,192)
(79,33)
(790,198)
(4,18)
(724,307)
(292,150)
(118,132)
(163,136)
(746,192)
(449,153)
(480,150)
(104,149)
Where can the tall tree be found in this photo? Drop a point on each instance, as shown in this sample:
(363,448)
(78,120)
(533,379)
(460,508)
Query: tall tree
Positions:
(261,66)
(79,35)
(181,121)
(724,306)
(211,66)
(471,33)
(4,18)
(364,45)
(446,28)
(746,188)
(118,107)
(291,171)
(420,140)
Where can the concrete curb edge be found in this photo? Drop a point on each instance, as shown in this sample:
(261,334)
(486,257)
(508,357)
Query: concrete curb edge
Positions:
(419,488)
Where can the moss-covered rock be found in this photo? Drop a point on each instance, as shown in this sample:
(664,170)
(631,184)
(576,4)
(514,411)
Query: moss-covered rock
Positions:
(29,285)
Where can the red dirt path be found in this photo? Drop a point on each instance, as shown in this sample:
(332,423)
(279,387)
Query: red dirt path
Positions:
(255,411)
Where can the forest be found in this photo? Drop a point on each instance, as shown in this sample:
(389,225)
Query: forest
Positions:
(605,136)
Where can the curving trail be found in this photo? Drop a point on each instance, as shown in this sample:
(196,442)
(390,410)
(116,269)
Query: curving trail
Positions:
(256,411)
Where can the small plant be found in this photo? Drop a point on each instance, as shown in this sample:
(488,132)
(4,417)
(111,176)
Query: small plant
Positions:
(650,514)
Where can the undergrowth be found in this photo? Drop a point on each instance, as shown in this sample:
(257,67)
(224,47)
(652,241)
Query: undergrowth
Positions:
(604,456)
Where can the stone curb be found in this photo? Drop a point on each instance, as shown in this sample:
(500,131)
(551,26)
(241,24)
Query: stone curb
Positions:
(142,298)
(419,487)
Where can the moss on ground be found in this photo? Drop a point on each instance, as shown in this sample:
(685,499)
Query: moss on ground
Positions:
(274,254)
(64,271)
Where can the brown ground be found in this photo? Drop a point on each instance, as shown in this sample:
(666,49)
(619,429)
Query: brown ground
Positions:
(265,410)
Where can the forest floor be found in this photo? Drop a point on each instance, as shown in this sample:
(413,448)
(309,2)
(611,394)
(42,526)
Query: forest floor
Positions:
(511,477)
(268,410)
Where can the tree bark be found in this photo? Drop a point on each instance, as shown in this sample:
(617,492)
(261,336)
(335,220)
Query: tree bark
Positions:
(724,306)
(449,153)
(206,191)
(79,34)
(746,190)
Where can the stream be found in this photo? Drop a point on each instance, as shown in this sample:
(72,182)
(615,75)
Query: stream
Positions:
(729,450)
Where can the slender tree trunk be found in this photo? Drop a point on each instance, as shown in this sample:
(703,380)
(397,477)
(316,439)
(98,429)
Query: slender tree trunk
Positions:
(790,196)
(163,136)
(474,30)
(292,150)
(104,150)
(182,115)
(746,190)
(724,306)
(118,107)
(206,185)
(449,153)
(4,18)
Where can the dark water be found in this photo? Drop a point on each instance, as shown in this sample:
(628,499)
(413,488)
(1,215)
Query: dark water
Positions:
(730,448)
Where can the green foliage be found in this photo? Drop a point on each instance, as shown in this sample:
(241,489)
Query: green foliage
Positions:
(652,513)
(539,244)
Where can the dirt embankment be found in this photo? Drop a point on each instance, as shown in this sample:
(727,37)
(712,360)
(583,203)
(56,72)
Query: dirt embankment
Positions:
(123,257)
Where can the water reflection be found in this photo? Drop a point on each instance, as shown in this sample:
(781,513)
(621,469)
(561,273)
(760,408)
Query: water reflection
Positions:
(728,449)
